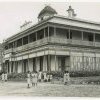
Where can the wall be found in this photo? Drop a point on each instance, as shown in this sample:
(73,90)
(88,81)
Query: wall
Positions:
(19,66)
(45,63)
(88,62)
(76,35)
(38,64)
(60,33)
(54,67)
(31,65)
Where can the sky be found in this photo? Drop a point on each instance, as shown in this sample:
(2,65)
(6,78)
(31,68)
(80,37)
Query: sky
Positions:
(14,14)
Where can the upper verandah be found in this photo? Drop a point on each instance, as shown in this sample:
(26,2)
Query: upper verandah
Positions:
(59,19)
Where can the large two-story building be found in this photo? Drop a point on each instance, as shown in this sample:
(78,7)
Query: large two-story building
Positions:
(55,43)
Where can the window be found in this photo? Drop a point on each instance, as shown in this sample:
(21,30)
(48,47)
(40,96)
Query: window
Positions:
(25,40)
(90,37)
(19,42)
(32,37)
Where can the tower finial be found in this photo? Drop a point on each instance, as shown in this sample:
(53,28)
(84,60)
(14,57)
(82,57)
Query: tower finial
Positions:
(71,12)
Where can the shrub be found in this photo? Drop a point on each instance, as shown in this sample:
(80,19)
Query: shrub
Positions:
(17,76)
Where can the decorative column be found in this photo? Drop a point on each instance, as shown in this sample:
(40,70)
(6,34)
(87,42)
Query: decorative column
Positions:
(55,60)
(54,31)
(28,39)
(36,36)
(55,48)
(28,63)
(48,32)
(69,32)
(44,32)
(36,62)
(49,67)
(94,37)
(22,41)
(82,36)
(10,66)
(22,65)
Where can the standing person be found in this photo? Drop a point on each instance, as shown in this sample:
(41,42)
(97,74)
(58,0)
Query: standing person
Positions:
(5,76)
(51,77)
(48,78)
(3,79)
(45,77)
(36,79)
(28,79)
(40,76)
(66,77)
(33,78)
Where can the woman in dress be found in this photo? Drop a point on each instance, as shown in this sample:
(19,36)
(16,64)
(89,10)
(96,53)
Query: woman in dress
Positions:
(35,79)
(3,79)
(40,76)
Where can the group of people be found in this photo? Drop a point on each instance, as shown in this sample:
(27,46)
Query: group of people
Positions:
(34,77)
(4,77)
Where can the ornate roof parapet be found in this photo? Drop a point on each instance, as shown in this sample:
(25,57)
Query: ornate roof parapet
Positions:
(26,25)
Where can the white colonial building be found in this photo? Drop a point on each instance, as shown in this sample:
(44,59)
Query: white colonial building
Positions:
(55,43)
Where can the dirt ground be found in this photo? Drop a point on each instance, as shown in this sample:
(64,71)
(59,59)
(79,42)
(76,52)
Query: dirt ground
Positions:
(48,89)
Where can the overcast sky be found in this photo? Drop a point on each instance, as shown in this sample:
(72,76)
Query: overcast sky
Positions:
(13,14)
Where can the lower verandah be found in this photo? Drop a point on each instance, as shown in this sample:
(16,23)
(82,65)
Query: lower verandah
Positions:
(54,63)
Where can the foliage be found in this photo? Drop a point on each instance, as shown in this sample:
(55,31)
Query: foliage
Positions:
(17,76)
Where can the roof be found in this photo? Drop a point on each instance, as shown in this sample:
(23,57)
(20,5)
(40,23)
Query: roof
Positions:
(82,21)
(47,9)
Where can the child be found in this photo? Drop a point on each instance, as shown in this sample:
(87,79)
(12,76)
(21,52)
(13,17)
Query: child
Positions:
(5,76)
(51,78)
(33,78)
(40,76)
(66,77)
(45,77)
(3,79)
(48,78)
(28,79)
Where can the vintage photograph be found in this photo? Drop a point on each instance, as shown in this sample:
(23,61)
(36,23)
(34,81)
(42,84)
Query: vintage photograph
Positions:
(50,49)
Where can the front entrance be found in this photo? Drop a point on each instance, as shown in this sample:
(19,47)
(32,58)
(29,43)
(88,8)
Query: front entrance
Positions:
(25,65)
(63,63)
(41,63)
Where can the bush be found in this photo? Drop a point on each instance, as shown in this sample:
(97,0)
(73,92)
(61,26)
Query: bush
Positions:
(17,76)
(84,73)
(75,74)
(56,74)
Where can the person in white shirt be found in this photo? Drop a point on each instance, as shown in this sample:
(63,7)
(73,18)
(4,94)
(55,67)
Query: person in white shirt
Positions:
(3,79)
(28,79)
(39,76)
(66,77)
(45,77)
(5,76)
(51,78)
(34,78)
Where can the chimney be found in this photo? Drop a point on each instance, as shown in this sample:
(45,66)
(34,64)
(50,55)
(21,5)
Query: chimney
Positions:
(71,12)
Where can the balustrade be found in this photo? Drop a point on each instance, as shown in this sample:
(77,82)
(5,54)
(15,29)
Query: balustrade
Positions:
(52,40)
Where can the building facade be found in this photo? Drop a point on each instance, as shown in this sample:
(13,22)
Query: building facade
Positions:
(55,43)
